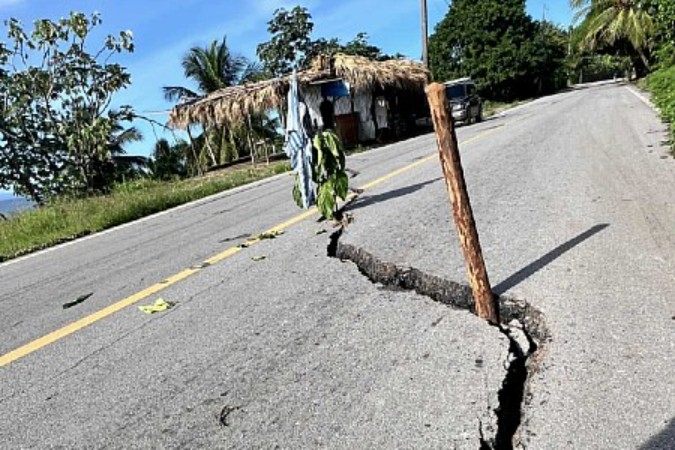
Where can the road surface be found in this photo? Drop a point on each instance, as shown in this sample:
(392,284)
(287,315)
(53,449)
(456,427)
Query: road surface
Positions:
(573,200)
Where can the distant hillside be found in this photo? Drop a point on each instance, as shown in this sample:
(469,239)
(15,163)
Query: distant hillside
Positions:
(11,205)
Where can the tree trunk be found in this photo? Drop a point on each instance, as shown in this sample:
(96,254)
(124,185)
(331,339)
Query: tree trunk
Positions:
(645,61)
(214,161)
(250,139)
(194,152)
(34,194)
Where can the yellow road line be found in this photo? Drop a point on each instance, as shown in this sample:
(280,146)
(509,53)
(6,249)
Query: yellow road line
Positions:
(397,172)
(78,325)
(90,319)
(230,252)
(289,223)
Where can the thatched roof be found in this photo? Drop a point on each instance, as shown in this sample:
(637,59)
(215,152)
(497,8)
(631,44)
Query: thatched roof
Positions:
(233,105)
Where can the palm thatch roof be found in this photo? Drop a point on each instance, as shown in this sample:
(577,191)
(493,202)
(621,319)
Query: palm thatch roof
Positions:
(232,105)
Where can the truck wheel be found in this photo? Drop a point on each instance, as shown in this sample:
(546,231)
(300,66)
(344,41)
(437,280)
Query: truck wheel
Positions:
(479,117)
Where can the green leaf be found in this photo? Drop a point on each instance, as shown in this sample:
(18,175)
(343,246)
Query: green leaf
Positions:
(297,195)
(326,199)
(342,185)
(269,235)
(329,165)
(160,305)
(334,145)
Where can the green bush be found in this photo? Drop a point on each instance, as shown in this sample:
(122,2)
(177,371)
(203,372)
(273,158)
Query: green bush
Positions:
(662,86)
(587,69)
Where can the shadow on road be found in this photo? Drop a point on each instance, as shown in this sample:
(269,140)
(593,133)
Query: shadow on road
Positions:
(665,440)
(545,260)
(362,202)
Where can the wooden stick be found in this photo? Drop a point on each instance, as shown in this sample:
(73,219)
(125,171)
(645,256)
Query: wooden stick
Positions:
(448,151)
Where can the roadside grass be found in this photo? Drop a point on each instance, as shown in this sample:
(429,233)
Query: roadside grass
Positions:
(491,108)
(63,220)
(661,84)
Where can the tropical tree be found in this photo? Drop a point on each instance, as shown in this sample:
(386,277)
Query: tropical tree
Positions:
(497,44)
(115,165)
(610,22)
(55,122)
(291,44)
(664,31)
(548,57)
(119,166)
(290,41)
(169,161)
(212,68)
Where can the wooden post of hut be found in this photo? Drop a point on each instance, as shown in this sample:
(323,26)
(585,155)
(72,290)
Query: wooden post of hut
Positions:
(249,131)
(197,161)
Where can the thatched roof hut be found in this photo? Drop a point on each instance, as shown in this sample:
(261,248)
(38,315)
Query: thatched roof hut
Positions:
(232,105)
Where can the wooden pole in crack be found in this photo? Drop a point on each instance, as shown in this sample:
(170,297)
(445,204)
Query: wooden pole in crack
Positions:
(448,151)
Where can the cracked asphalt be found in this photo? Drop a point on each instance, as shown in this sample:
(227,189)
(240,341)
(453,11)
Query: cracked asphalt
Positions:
(575,212)
(573,202)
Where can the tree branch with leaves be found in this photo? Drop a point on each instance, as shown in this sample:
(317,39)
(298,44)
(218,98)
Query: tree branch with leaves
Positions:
(56,126)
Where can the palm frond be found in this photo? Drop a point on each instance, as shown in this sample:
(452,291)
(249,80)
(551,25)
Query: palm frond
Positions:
(252,73)
(178,94)
(129,135)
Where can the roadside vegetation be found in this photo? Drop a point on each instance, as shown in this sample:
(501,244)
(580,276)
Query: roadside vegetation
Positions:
(64,219)
(661,82)
(509,55)
(639,36)
(662,86)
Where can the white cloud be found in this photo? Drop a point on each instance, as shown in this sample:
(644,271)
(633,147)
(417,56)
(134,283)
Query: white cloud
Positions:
(7,3)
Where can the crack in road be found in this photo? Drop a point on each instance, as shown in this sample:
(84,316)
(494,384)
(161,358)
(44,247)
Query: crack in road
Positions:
(523,325)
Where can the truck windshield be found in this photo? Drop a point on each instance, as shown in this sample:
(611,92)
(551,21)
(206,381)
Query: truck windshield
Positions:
(456,91)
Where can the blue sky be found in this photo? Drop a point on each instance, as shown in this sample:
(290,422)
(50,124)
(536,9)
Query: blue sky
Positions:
(164,30)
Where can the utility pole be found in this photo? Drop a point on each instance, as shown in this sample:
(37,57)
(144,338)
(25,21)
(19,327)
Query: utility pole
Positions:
(543,15)
(540,81)
(425,34)
(448,151)
(569,54)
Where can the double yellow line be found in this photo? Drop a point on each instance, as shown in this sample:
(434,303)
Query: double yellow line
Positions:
(76,326)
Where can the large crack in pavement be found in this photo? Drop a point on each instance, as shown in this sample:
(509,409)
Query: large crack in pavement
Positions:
(523,325)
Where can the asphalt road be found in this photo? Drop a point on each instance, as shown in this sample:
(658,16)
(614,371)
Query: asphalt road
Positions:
(573,201)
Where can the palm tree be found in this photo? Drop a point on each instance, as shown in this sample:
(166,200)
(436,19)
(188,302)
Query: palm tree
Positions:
(212,68)
(609,21)
(125,166)
(168,161)
(121,137)
(114,165)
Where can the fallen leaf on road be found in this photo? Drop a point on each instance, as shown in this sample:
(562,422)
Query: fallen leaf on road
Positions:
(77,301)
(269,235)
(225,414)
(159,306)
